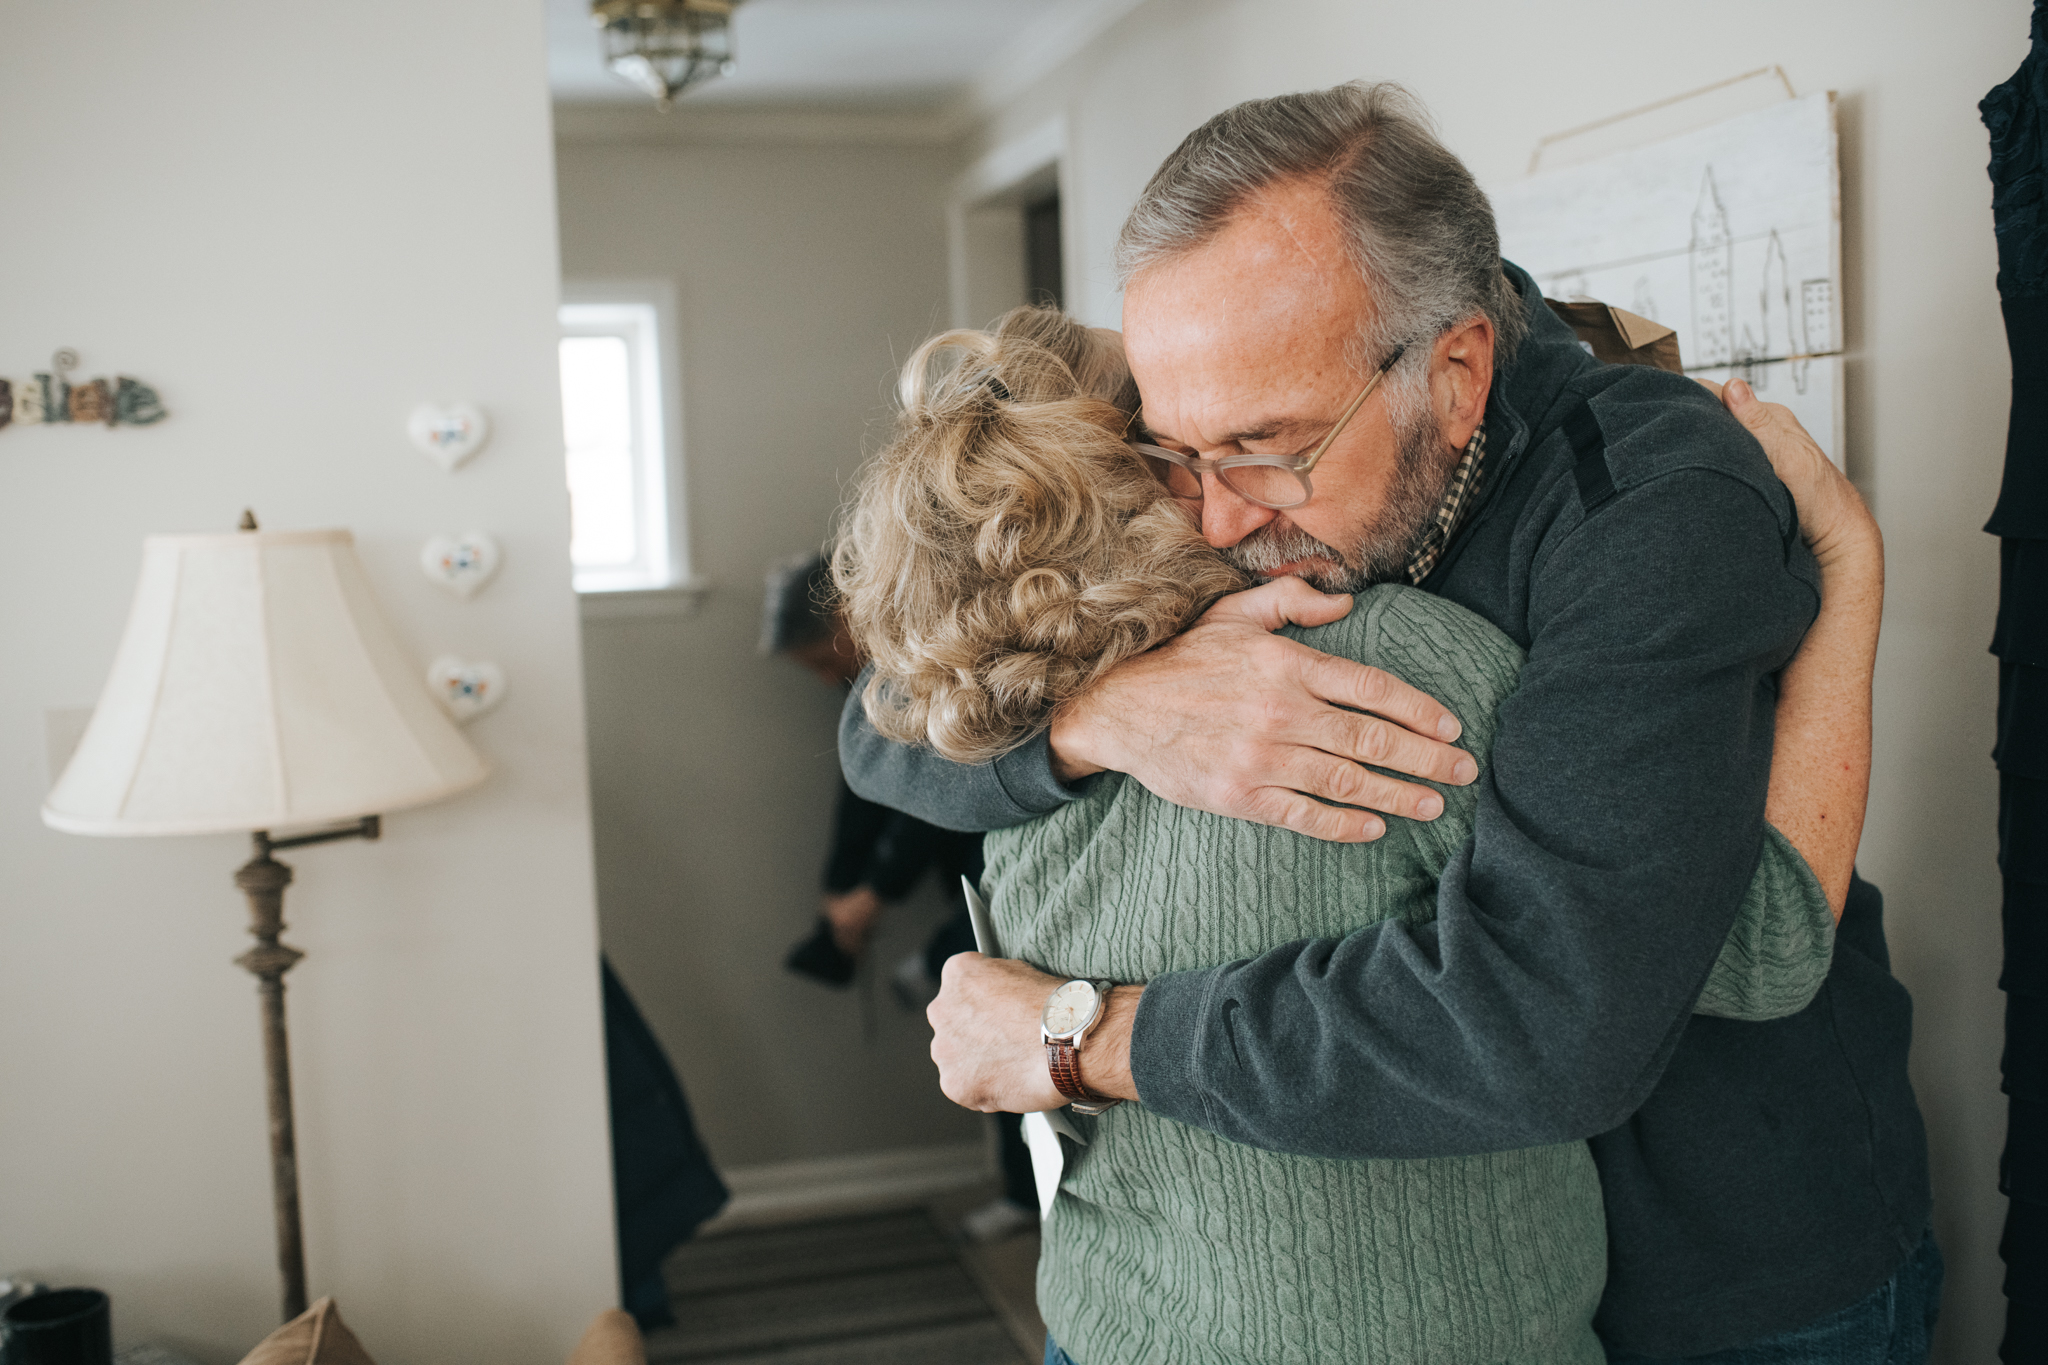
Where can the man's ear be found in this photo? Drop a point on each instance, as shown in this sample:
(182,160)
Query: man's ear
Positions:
(1460,378)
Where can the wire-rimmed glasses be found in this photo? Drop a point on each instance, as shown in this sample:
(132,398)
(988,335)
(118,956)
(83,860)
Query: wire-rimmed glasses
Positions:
(1276,481)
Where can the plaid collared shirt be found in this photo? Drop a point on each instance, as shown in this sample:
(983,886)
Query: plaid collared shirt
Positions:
(1450,513)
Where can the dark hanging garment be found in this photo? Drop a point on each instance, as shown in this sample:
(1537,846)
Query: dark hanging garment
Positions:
(663,1183)
(2014,113)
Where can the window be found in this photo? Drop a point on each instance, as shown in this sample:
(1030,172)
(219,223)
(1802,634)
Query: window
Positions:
(618,429)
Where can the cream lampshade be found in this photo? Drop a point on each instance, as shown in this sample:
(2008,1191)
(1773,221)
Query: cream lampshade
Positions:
(256,687)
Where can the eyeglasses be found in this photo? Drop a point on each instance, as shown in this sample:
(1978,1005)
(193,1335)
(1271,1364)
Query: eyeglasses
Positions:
(1277,481)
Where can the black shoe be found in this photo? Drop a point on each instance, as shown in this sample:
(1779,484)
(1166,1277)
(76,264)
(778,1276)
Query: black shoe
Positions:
(822,959)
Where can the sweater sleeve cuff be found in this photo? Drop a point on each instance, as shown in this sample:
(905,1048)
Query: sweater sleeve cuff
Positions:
(1026,777)
(1166,1044)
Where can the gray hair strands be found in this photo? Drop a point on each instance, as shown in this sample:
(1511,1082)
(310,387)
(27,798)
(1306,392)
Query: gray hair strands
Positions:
(1420,229)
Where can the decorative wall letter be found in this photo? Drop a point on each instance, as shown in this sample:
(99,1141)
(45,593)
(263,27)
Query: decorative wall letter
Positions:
(28,402)
(92,401)
(135,405)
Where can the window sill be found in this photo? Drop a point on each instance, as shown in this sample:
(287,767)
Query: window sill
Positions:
(644,603)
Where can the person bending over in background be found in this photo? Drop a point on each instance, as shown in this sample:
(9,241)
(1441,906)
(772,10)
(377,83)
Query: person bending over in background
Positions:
(878,857)
(1007,549)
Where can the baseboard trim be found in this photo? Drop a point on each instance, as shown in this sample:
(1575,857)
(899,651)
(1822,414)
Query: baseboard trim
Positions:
(795,1191)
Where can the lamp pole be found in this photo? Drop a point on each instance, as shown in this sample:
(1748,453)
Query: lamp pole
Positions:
(263,880)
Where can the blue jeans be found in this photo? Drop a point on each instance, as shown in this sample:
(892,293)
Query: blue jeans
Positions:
(1892,1325)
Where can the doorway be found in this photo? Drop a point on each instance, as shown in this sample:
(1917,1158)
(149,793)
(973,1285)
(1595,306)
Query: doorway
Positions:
(1007,229)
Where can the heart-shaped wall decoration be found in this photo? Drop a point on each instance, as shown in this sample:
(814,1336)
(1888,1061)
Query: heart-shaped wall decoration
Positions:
(467,689)
(448,433)
(462,564)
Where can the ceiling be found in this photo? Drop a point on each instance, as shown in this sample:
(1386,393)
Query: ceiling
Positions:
(886,55)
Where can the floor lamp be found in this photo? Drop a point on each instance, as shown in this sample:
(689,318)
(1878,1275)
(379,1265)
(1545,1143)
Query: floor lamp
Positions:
(257,688)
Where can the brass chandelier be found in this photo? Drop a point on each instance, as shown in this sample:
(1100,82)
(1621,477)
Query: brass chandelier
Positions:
(665,46)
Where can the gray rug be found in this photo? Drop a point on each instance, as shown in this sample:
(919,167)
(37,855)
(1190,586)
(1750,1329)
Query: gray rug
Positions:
(884,1287)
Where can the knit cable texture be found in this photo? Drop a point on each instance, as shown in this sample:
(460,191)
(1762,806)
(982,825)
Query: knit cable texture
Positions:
(1170,1244)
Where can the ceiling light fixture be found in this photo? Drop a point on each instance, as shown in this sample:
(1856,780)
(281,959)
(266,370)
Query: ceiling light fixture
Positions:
(665,46)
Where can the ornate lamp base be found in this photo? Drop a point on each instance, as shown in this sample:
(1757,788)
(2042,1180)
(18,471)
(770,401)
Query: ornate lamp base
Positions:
(263,880)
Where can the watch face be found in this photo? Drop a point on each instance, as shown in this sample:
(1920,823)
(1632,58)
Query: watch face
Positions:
(1070,1009)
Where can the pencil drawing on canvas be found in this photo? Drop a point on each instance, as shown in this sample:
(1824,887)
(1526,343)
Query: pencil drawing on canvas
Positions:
(1730,234)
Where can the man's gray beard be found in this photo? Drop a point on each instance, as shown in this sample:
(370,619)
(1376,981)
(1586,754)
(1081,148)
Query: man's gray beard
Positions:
(1381,551)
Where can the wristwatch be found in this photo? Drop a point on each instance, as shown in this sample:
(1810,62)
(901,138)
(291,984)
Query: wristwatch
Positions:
(1070,1011)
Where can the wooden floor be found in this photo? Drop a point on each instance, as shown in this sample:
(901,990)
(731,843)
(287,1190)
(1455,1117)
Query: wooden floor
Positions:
(892,1287)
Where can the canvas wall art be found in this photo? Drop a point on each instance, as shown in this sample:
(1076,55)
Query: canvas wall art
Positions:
(1730,234)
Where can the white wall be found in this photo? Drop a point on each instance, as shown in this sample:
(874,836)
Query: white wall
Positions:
(1927,375)
(804,273)
(297,222)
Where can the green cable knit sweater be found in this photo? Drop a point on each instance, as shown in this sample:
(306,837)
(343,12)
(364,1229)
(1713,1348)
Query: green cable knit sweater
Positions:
(1170,1244)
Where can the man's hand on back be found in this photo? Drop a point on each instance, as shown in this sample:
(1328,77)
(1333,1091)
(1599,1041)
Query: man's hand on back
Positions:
(1229,718)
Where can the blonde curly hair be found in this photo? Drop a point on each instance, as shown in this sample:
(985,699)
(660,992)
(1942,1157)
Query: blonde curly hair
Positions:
(1008,547)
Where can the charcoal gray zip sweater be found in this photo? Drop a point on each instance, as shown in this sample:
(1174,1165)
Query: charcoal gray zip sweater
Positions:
(1632,538)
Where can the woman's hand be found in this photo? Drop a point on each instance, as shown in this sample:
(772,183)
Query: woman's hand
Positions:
(1832,516)
(1820,758)
(852,917)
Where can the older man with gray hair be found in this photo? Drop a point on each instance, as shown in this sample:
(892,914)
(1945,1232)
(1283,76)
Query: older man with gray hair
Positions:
(1765,1183)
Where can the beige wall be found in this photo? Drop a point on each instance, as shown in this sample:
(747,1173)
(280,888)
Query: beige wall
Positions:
(1927,383)
(803,274)
(297,222)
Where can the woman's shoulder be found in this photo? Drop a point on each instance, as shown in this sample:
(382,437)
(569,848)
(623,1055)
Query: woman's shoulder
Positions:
(1394,616)
(1448,651)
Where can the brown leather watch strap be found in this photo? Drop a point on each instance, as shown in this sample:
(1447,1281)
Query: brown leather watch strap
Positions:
(1063,1060)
